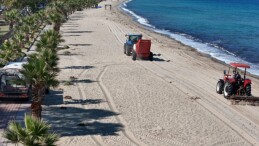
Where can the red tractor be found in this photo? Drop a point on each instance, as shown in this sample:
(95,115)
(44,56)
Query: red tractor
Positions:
(235,86)
(142,50)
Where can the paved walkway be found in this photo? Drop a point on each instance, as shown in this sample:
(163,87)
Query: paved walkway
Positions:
(7,113)
(14,110)
(11,111)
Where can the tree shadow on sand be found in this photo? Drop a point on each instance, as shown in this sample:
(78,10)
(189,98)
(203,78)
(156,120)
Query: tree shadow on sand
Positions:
(70,24)
(71,35)
(74,25)
(69,54)
(75,19)
(54,98)
(78,67)
(80,44)
(84,102)
(84,81)
(79,16)
(78,31)
(68,29)
(74,81)
(74,121)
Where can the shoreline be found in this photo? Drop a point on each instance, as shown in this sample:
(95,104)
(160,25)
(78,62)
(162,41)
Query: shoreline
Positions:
(119,7)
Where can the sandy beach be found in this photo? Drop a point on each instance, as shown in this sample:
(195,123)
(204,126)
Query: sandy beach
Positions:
(119,102)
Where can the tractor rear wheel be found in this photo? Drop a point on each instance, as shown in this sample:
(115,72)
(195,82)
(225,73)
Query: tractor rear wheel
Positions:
(228,90)
(248,90)
(220,86)
(134,55)
(151,56)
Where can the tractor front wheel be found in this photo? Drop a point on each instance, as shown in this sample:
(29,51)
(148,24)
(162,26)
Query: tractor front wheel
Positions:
(151,56)
(228,90)
(128,50)
(248,90)
(134,55)
(220,86)
(124,49)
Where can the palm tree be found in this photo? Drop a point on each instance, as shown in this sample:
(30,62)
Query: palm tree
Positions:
(60,7)
(41,70)
(31,23)
(9,3)
(18,38)
(35,133)
(51,59)
(38,74)
(47,50)
(12,17)
(41,17)
(6,55)
(26,30)
(49,39)
(56,18)
(9,51)
(73,5)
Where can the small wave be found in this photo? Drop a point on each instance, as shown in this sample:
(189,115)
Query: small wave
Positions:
(125,3)
(138,18)
(203,47)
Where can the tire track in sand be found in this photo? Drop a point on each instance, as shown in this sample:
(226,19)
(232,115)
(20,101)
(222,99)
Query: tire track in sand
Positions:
(132,141)
(112,106)
(96,139)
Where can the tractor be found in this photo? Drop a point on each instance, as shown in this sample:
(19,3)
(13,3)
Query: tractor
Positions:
(234,86)
(130,41)
(142,50)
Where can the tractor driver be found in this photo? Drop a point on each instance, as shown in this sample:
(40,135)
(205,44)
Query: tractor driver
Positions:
(134,39)
(237,76)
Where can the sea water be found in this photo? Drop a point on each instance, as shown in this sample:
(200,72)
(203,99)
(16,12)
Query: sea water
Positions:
(225,29)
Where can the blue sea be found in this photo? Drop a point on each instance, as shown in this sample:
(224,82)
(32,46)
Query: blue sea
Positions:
(225,29)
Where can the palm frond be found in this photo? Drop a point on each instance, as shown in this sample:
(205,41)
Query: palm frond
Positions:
(50,139)
(36,128)
(35,133)
(11,136)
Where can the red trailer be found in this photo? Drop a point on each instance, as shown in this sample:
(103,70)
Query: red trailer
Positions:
(142,50)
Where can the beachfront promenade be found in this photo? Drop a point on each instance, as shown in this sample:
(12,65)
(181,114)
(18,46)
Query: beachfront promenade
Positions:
(15,110)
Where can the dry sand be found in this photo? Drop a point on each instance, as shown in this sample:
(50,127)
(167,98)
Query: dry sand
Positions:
(120,102)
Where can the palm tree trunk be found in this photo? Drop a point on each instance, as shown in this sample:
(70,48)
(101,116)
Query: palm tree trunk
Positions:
(10,25)
(27,37)
(36,109)
(57,27)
